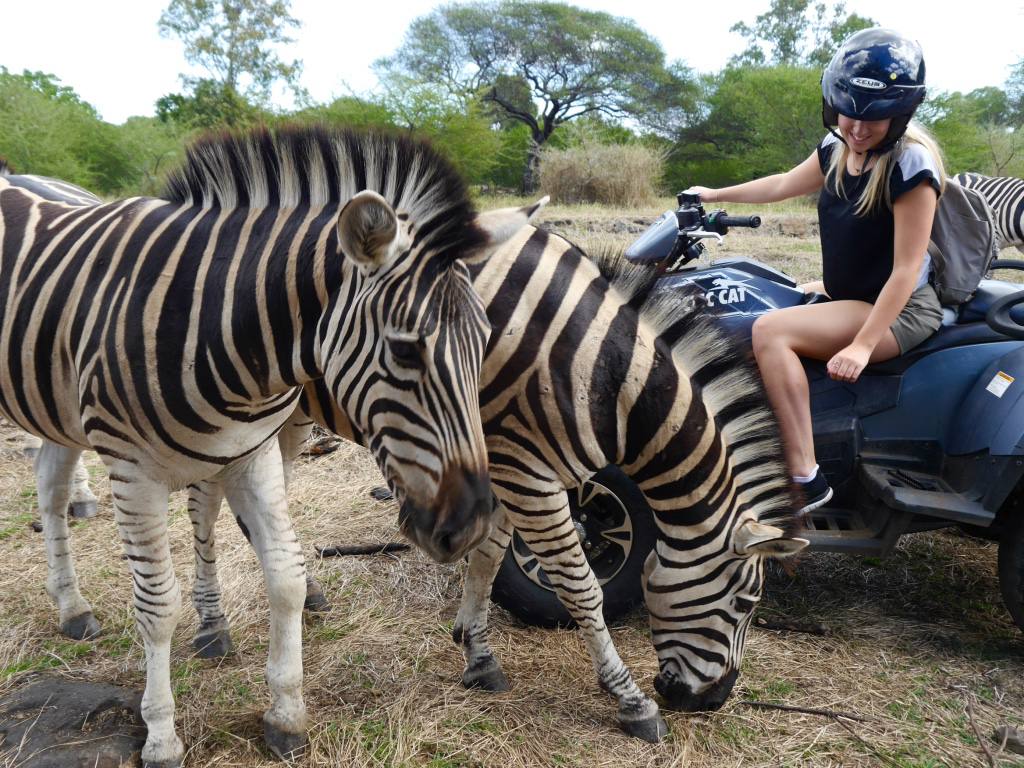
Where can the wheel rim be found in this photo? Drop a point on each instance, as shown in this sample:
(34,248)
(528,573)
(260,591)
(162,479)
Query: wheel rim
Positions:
(605,530)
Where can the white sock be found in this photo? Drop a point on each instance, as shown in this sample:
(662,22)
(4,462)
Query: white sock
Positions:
(799,479)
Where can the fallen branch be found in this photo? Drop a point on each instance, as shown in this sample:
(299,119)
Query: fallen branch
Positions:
(787,625)
(805,710)
(362,549)
(977,733)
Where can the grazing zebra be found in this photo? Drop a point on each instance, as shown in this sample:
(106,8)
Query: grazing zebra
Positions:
(1006,197)
(575,378)
(173,336)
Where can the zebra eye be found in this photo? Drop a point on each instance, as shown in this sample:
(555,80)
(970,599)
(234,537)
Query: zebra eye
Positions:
(743,604)
(407,352)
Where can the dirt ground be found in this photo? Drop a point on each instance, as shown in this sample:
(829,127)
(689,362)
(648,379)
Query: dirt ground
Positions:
(917,646)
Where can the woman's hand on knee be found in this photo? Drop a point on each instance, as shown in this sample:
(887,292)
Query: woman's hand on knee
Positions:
(847,364)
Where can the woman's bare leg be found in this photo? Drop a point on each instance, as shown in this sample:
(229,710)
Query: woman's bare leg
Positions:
(816,331)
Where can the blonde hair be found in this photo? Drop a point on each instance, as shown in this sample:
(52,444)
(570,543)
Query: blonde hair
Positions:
(877,189)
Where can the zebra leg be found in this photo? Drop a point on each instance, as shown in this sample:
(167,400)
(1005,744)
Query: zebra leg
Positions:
(140,510)
(291,438)
(543,520)
(54,468)
(256,494)
(470,632)
(213,638)
(83,501)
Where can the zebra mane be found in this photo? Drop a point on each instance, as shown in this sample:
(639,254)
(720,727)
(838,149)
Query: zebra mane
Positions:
(727,374)
(4,167)
(318,166)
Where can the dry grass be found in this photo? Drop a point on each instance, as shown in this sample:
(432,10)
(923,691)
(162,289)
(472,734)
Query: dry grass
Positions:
(912,639)
(591,172)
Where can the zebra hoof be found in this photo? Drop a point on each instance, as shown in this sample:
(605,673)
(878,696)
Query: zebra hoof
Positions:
(651,729)
(82,510)
(81,627)
(213,645)
(285,746)
(315,601)
(488,678)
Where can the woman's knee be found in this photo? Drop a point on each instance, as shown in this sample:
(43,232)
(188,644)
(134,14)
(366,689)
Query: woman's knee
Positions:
(765,336)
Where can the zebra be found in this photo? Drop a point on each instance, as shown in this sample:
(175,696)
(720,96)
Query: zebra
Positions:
(173,335)
(82,502)
(1006,197)
(685,415)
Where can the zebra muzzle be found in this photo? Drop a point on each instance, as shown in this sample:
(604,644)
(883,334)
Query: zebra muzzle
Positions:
(678,695)
(458,520)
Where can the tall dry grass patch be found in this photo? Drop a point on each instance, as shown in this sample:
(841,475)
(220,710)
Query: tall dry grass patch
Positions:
(592,172)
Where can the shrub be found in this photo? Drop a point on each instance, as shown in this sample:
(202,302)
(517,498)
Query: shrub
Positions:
(591,172)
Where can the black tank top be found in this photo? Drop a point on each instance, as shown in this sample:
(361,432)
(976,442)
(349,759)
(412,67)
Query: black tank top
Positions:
(857,251)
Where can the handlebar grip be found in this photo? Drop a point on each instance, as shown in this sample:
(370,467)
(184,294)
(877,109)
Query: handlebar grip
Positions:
(740,221)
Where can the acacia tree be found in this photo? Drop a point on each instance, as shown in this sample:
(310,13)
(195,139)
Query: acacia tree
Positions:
(541,64)
(234,41)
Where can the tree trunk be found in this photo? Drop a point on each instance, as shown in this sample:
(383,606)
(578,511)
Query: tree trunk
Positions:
(531,173)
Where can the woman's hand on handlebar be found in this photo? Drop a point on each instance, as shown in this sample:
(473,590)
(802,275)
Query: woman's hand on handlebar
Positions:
(707,194)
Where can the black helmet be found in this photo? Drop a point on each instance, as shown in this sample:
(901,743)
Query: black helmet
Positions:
(877,73)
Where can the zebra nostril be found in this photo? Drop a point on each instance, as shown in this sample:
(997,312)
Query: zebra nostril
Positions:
(443,542)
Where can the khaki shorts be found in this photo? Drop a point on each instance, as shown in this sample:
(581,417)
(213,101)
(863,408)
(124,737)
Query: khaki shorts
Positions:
(919,319)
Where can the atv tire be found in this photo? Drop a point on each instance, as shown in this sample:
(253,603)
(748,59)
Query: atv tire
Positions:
(1011,565)
(618,531)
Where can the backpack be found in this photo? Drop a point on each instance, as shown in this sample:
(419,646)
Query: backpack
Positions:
(963,243)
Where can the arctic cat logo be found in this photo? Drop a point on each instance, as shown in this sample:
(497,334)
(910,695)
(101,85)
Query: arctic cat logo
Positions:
(869,83)
(725,291)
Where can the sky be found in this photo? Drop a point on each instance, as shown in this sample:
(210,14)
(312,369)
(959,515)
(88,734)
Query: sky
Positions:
(113,56)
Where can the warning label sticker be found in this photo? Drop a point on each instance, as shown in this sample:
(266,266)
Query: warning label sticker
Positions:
(999,384)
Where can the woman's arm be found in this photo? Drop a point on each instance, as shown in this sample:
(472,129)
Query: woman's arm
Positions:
(913,213)
(801,180)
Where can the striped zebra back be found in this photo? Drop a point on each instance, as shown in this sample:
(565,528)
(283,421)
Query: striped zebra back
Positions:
(1005,195)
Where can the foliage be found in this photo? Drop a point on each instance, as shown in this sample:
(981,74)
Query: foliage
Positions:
(348,110)
(795,33)
(759,120)
(231,39)
(975,133)
(210,104)
(573,61)
(46,129)
(459,128)
(153,147)
(1015,95)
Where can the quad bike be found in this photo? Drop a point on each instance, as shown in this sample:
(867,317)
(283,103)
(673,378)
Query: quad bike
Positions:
(931,439)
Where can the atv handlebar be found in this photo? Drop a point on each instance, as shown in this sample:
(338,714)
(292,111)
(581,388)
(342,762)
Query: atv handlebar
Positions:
(1000,316)
(740,221)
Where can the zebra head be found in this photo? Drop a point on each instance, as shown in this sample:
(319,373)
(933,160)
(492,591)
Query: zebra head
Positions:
(700,611)
(415,400)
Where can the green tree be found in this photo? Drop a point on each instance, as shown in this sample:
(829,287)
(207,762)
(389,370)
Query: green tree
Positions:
(46,129)
(1015,95)
(233,39)
(795,33)
(576,62)
(208,104)
(975,131)
(758,121)
(153,147)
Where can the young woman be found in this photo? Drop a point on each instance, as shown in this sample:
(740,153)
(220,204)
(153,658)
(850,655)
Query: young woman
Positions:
(879,179)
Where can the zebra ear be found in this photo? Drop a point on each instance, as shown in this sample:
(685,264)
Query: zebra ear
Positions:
(754,538)
(501,224)
(368,230)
